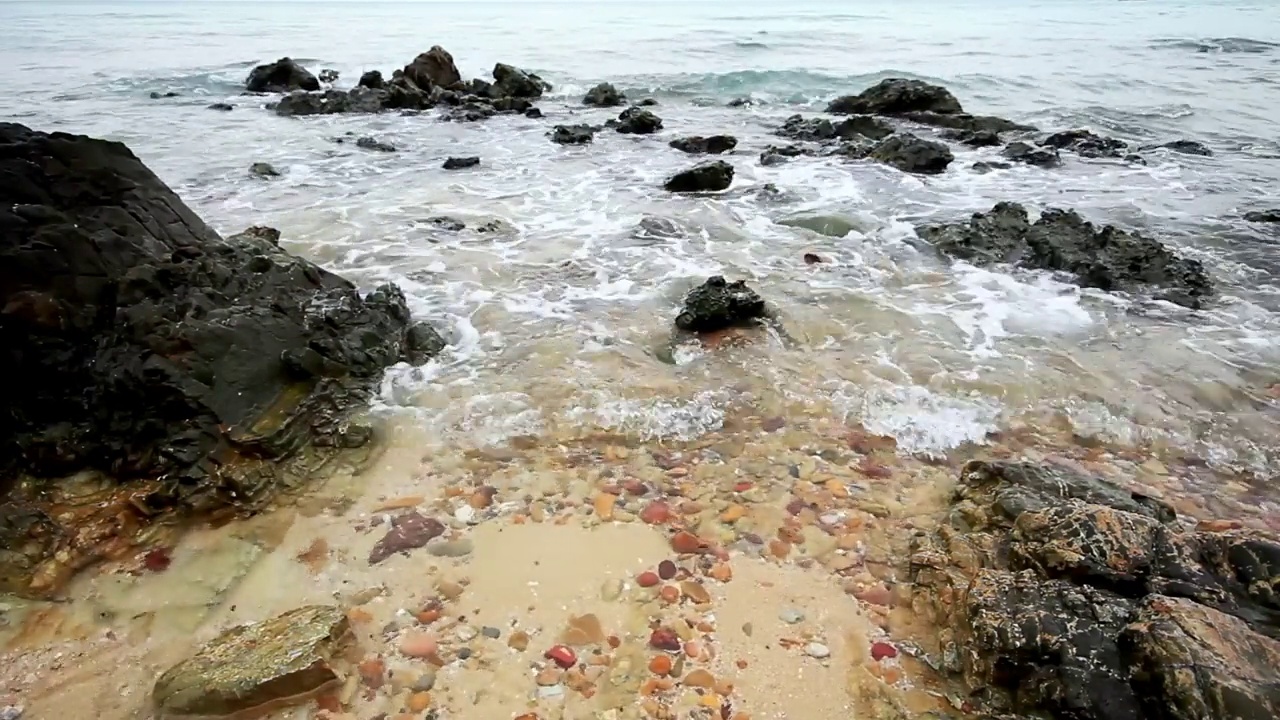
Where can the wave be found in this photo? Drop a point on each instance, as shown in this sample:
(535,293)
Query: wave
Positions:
(1217,45)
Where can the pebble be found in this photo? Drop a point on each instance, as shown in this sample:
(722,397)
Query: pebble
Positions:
(656,513)
(491,632)
(518,641)
(451,548)
(551,691)
(817,650)
(611,590)
(548,676)
(418,645)
(11,712)
(419,701)
(466,515)
(427,680)
(791,616)
(648,579)
(882,650)
(562,656)
(685,542)
(449,590)
(695,592)
(660,665)
(700,678)
(466,633)
(664,639)
(465,653)
(666,569)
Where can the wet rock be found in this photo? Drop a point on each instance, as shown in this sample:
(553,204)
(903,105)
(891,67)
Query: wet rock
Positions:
(284,660)
(865,126)
(966,122)
(434,67)
(1263,216)
(447,223)
(975,138)
(1026,153)
(1085,143)
(513,82)
(459,163)
(409,531)
(1109,259)
(224,107)
(370,143)
(573,134)
(637,120)
(533,113)
(740,102)
(283,75)
(263,170)
(1186,147)
(356,100)
(328,75)
(984,166)
(777,155)
(372,79)
(912,154)
(11,712)
(829,225)
(699,145)
(707,177)
(718,304)
(164,95)
(895,96)
(797,127)
(817,650)
(561,655)
(604,95)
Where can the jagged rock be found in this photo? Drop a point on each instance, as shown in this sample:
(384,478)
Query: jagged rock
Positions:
(895,96)
(974,138)
(1109,259)
(459,163)
(371,143)
(510,81)
(699,145)
(156,352)
(328,75)
(283,75)
(434,67)
(1026,153)
(282,661)
(224,107)
(1263,216)
(965,121)
(798,127)
(912,154)
(604,95)
(776,155)
(372,79)
(637,120)
(1087,144)
(573,134)
(263,170)
(717,304)
(408,532)
(707,177)
(647,102)
(856,149)
(470,112)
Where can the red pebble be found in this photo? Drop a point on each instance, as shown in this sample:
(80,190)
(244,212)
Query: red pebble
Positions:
(656,513)
(685,543)
(157,560)
(882,650)
(562,656)
(664,639)
(666,569)
(743,486)
(648,578)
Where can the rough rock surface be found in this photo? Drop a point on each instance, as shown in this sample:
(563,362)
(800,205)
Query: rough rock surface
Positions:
(1263,216)
(1108,258)
(278,662)
(1186,147)
(895,96)
(459,163)
(718,304)
(408,532)
(573,134)
(1073,598)
(1086,143)
(707,177)
(329,75)
(710,145)
(398,94)
(283,75)
(434,67)
(777,155)
(604,95)
(151,349)
(912,154)
(513,82)
(798,127)
(638,121)
(371,79)
(974,138)
(1026,153)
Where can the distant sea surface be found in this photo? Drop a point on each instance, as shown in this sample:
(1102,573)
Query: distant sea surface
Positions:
(558,321)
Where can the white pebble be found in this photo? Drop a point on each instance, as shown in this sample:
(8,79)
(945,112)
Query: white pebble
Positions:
(465,514)
(817,650)
(790,616)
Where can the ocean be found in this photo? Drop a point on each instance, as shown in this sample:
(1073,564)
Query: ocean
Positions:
(559,322)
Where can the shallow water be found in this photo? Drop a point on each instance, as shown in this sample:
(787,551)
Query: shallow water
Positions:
(560,321)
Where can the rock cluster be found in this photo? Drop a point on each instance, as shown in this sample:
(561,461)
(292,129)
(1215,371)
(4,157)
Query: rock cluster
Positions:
(718,304)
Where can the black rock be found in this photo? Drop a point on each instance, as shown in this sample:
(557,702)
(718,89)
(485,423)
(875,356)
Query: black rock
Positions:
(741,102)
(895,96)
(533,112)
(1040,156)
(472,111)
(433,68)
(573,134)
(717,304)
(912,154)
(1186,147)
(604,95)
(372,79)
(151,348)
(447,223)
(458,163)
(263,170)
(777,155)
(1108,258)
(160,96)
(513,82)
(855,149)
(283,75)
(699,145)
(647,102)
(983,166)
(356,100)
(707,177)
(508,104)
(863,125)
(328,75)
(974,138)
(1263,216)
(798,127)
(638,121)
(1087,144)
(965,121)
(224,107)
(370,143)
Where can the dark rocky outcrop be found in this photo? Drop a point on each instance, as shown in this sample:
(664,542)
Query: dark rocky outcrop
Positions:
(329,75)
(604,95)
(1263,216)
(434,67)
(372,79)
(263,170)
(974,138)
(224,107)
(912,154)
(895,96)
(459,163)
(1086,143)
(965,121)
(513,82)
(183,366)
(283,75)
(741,102)
(573,134)
(399,94)
(1186,147)
(1065,596)
(707,177)
(1109,259)
(777,155)
(718,304)
(372,143)
(797,127)
(638,121)
(1026,153)
(710,145)
(164,95)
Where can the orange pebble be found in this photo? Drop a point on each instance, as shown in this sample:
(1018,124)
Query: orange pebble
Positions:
(660,665)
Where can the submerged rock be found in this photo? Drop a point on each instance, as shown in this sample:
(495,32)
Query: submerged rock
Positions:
(282,661)
(776,155)
(1263,216)
(835,226)
(459,163)
(1186,147)
(895,96)
(372,143)
(604,95)
(434,67)
(167,352)
(707,177)
(573,134)
(263,170)
(224,107)
(699,145)
(974,138)
(1108,258)
(1026,153)
(283,75)
(638,121)
(1086,143)
(912,154)
(718,304)
(408,532)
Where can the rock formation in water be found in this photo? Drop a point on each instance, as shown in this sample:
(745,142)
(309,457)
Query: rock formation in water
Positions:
(638,121)
(572,134)
(710,145)
(1064,596)
(921,102)
(139,343)
(604,95)
(707,177)
(911,154)
(1108,258)
(433,68)
(718,304)
(283,75)
(1263,216)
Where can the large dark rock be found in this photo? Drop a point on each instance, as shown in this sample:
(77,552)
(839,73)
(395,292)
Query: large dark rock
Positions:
(798,127)
(154,351)
(513,82)
(965,121)
(1038,155)
(283,75)
(638,121)
(710,145)
(718,304)
(912,154)
(604,95)
(895,96)
(779,154)
(1065,596)
(974,138)
(1108,258)
(460,163)
(707,177)
(1263,216)
(1086,143)
(572,134)
(1186,147)
(371,79)
(398,94)
(434,67)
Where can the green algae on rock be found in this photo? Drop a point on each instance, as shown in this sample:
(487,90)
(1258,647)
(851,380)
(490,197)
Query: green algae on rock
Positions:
(253,666)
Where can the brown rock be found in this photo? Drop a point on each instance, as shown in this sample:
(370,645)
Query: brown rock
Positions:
(433,67)
(419,645)
(418,702)
(648,579)
(660,665)
(779,549)
(732,514)
(670,594)
(722,572)
(685,542)
(449,590)
(482,497)
(603,506)
(656,513)
(372,672)
(584,630)
(548,676)
(695,592)
(664,639)
(518,641)
(409,531)
(699,678)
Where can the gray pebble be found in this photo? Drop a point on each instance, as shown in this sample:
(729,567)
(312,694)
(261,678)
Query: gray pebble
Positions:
(427,680)
(491,632)
(551,691)
(790,616)
(451,548)
(464,653)
(466,633)
(11,712)
(817,650)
